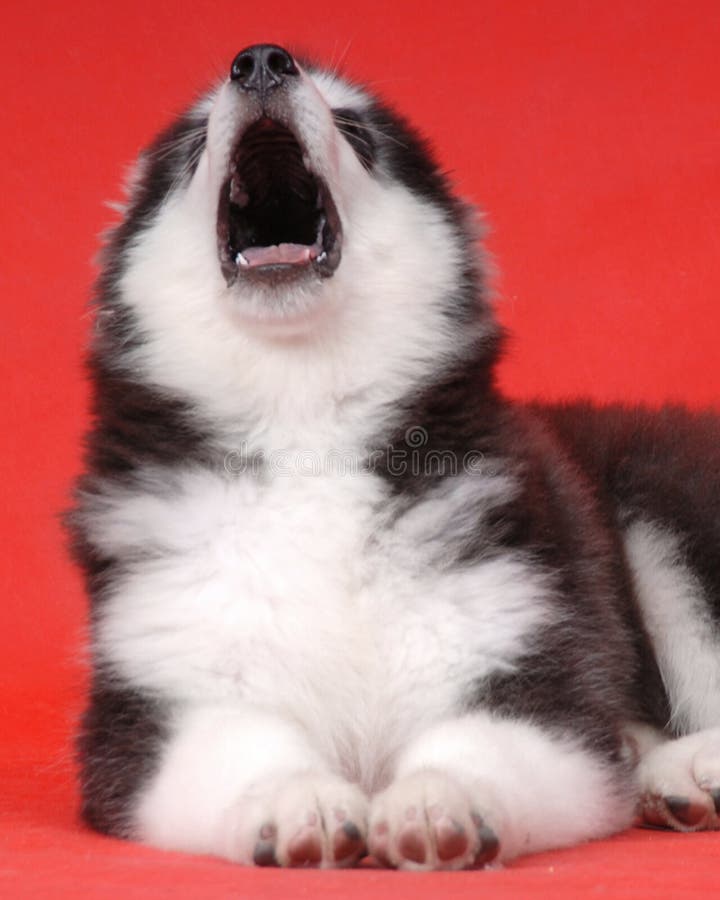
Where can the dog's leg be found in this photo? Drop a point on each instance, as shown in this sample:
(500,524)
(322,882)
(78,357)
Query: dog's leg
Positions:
(246,785)
(476,789)
(680,782)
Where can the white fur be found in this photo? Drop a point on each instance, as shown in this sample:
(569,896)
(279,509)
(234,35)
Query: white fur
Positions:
(286,593)
(675,615)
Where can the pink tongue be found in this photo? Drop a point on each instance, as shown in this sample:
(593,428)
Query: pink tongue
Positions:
(288,254)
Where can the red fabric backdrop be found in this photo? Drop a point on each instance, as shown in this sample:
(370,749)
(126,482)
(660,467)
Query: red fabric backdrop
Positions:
(588,131)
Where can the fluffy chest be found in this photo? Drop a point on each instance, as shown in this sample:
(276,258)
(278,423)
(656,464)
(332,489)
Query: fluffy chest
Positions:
(307,594)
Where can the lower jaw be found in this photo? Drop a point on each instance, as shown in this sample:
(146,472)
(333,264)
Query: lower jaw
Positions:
(294,306)
(276,278)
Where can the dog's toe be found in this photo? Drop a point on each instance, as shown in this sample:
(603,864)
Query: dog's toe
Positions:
(427,821)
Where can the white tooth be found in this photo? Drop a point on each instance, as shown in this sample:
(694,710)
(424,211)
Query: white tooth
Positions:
(322,257)
(241,261)
(238,195)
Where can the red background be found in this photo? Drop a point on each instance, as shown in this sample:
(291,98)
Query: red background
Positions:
(587,130)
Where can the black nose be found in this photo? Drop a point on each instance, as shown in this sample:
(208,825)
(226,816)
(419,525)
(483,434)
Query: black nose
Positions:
(261,67)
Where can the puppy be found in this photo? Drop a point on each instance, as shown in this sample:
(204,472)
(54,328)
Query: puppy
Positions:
(347,598)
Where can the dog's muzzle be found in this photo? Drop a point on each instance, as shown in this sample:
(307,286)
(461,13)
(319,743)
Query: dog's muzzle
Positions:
(276,217)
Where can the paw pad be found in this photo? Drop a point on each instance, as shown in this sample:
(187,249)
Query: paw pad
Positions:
(305,848)
(684,811)
(450,839)
(348,843)
(411,845)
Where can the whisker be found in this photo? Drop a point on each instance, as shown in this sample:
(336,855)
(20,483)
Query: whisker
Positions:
(354,123)
(337,66)
(331,61)
(393,80)
(186,169)
(189,137)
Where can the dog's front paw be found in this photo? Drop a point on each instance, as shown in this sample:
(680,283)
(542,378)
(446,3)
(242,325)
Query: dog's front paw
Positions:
(427,820)
(298,820)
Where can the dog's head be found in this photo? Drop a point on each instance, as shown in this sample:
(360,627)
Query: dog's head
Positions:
(291,208)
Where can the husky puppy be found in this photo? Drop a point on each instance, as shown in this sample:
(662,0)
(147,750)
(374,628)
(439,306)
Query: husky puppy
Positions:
(347,599)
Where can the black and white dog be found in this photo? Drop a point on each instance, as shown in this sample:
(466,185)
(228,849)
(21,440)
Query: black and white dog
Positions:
(346,597)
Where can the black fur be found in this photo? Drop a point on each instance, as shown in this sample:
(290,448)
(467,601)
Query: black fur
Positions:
(408,158)
(661,465)
(119,745)
(136,425)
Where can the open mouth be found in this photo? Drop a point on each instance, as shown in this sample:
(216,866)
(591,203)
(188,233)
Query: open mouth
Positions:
(276,218)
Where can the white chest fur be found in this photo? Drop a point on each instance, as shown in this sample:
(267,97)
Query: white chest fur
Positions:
(305,594)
